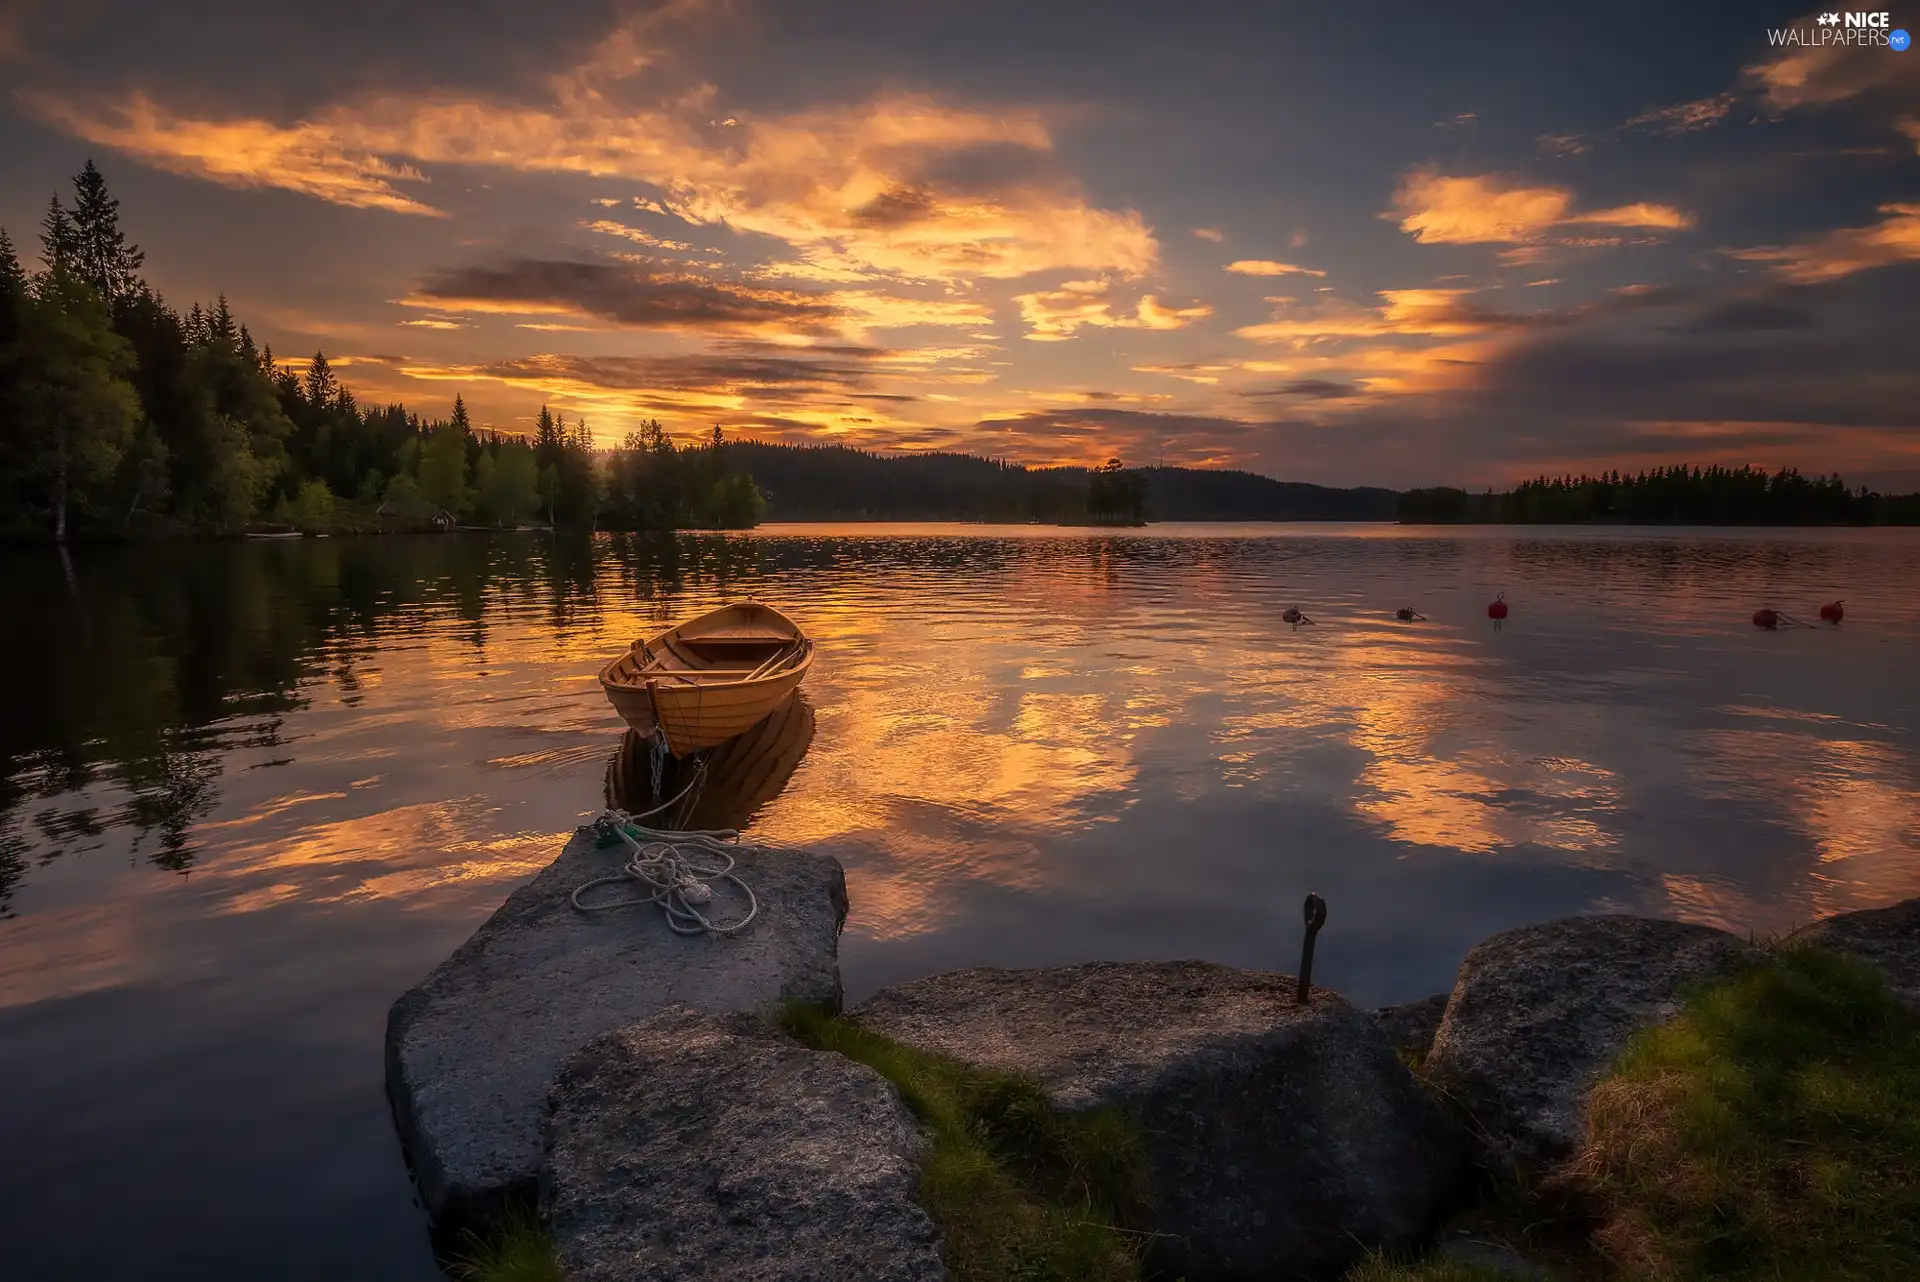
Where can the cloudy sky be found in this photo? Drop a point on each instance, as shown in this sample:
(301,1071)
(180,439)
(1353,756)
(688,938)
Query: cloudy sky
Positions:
(1344,243)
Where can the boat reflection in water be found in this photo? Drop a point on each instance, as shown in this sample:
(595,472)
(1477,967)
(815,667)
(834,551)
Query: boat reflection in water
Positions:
(725,785)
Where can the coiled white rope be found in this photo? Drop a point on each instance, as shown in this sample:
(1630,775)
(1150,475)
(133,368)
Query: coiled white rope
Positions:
(676,869)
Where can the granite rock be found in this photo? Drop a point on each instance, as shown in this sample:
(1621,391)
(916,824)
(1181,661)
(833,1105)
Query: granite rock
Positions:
(1279,1139)
(1411,1026)
(707,1146)
(471,1051)
(1537,1015)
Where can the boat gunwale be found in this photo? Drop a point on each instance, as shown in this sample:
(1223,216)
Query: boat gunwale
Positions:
(638,681)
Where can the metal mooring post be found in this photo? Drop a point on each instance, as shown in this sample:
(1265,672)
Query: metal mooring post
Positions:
(1316,914)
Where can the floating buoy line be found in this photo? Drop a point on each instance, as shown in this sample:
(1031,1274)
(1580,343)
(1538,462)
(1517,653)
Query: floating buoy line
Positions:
(1766,618)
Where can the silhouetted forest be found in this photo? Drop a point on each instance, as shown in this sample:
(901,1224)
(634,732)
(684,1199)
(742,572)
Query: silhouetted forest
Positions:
(122,415)
(839,483)
(1668,496)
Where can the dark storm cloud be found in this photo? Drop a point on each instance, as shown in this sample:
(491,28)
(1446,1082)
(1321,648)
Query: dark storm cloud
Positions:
(763,378)
(635,296)
(896,208)
(1323,389)
(1751,316)
(1831,394)
(1132,434)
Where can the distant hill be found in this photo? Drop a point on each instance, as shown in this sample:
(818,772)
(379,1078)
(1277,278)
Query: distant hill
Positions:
(838,483)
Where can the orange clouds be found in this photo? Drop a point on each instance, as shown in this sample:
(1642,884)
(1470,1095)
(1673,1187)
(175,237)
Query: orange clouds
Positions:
(311,159)
(1638,214)
(855,190)
(1435,209)
(1268,267)
(1056,315)
(1491,209)
(1843,251)
(1403,313)
(1819,75)
(648,297)
(639,236)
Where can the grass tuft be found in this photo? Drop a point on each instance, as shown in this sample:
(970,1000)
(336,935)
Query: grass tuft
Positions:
(1385,1268)
(1771,1131)
(1022,1192)
(516,1248)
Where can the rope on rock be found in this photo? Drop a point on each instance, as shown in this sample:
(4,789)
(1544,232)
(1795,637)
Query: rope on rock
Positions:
(675,870)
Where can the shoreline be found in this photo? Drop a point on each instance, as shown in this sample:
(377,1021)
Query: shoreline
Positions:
(1445,1107)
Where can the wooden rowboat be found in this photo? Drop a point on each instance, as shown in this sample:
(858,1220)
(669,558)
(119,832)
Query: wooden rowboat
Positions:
(711,678)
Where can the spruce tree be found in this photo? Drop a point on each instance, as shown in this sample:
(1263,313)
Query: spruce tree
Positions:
(58,245)
(220,324)
(322,388)
(104,258)
(13,278)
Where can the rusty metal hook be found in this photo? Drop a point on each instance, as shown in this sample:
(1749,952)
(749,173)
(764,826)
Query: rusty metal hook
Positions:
(1315,911)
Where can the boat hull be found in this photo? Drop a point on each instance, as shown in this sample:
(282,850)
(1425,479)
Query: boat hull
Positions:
(691,712)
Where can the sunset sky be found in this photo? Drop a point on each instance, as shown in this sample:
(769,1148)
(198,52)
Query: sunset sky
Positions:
(1392,243)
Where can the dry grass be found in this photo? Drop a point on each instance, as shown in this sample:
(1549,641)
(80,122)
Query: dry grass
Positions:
(1381,1268)
(1770,1132)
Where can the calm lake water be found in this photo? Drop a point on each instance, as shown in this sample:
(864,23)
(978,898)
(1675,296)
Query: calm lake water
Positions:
(250,792)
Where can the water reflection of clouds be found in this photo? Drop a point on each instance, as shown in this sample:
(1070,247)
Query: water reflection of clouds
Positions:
(1853,802)
(986,706)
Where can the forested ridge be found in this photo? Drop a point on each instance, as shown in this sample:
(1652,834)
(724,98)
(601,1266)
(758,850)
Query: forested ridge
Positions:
(1668,496)
(841,483)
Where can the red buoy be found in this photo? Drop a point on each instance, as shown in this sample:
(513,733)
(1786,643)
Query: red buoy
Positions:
(1832,612)
(1768,619)
(1497,609)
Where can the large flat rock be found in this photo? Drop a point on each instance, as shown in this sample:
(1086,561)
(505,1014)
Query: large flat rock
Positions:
(471,1050)
(1279,1139)
(716,1147)
(1887,939)
(1538,1014)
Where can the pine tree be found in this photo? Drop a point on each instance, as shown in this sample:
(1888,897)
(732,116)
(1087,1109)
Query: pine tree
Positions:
(460,423)
(220,324)
(321,386)
(13,278)
(58,243)
(104,258)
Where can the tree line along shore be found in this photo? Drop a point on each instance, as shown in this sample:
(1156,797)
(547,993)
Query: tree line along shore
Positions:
(122,416)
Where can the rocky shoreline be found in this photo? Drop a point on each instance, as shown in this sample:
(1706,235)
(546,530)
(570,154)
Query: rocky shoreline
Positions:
(639,1085)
